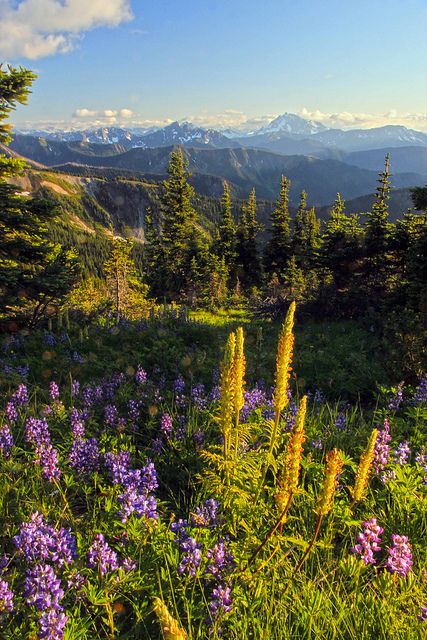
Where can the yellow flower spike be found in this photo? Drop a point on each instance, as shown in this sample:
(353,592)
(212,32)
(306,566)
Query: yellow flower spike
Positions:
(170,627)
(288,481)
(239,371)
(283,362)
(364,469)
(334,465)
(227,388)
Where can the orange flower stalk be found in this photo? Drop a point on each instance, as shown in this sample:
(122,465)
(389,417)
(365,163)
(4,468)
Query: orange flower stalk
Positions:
(288,481)
(170,627)
(364,469)
(334,465)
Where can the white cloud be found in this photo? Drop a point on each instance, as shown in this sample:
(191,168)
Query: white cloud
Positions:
(37,28)
(125,113)
(348,120)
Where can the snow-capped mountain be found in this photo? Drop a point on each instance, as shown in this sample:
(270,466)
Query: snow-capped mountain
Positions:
(100,135)
(188,135)
(376,138)
(292,125)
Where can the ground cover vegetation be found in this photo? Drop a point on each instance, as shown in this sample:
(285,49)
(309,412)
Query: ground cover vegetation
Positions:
(169,467)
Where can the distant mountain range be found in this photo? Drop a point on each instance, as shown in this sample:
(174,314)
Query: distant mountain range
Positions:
(244,168)
(286,134)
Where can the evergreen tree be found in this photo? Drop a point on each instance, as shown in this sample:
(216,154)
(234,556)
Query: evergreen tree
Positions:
(378,234)
(306,235)
(226,241)
(177,219)
(341,246)
(247,245)
(278,249)
(419,198)
(34,273)
(125,290)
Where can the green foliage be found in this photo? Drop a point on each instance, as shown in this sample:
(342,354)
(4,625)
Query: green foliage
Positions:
(277,251)
(33,272)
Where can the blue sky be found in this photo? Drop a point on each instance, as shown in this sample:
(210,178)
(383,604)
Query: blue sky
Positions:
(220,62)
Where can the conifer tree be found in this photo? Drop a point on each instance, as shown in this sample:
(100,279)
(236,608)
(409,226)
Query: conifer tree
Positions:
(125,289)
(226,242)
(34,273)
(378,233)
(247,245)
(341,247)
(306,235)
(177,219)
(278,249)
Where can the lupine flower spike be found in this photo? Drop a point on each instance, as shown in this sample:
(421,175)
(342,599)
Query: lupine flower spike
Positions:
(170,627)
(364,470)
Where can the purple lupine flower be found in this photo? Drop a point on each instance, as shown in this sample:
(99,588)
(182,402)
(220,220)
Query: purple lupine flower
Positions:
(221,601)
(420,396)
(37,541)
(182,428)
(23,370)
(140,375)
(157,446)
(368,542)
(382,448)
(399,556)
(47,458)
(53,391)
(397,399)
(402,454)
(136,502)
(198,396)
(291,416)
(191,558)
(4,562)
(84,456)
(421,460)
(422,616)
(128,564)
(77,424)
(10,412)
(110,415)
(51,625)
(20,397)
(341,421)
(317,444)
(166,425)
(37,431)
(88,396)
(205,516)
(101,557)
(253,399)
(76,581)
(75,388)
(215,394)
(6,597)
(198,438)
(179,385)
(221,560)
(179,527)
(134,410)
(42,588)
(49,339)
(6,440)
(118,465)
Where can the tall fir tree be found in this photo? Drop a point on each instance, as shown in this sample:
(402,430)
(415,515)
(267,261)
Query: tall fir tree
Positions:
(248,251)
(177,219)
(278,249)
(306,238)
(225,246)
(378,236)
(34,273)
(341,252)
